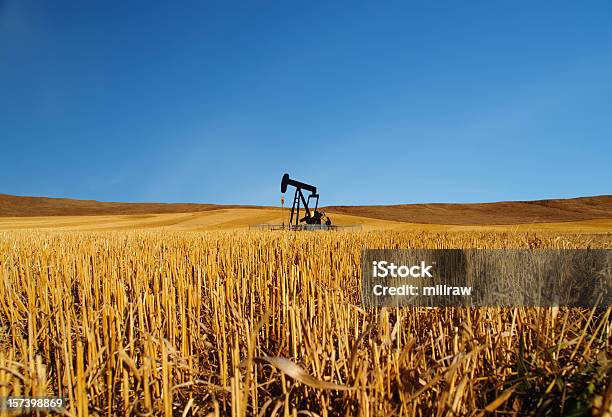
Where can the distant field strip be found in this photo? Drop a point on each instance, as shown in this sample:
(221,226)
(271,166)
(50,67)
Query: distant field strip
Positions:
(241,218)
(498,213)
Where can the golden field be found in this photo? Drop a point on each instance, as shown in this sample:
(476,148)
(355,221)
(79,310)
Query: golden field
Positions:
(230,219)
(166,322)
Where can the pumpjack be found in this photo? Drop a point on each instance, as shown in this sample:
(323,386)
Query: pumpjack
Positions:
(313,216)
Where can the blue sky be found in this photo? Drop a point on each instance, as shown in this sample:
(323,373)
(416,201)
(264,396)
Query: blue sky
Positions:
(373,102)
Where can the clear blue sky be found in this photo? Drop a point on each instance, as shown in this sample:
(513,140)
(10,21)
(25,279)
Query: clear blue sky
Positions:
(373,102)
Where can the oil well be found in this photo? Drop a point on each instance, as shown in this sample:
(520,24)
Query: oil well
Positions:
(312,216)
(306,201)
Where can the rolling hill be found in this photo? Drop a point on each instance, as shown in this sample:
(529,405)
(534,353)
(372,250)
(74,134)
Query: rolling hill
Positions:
(500,213)
(18,206)
(505,212)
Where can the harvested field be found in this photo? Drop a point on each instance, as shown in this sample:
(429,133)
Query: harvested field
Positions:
(269,323)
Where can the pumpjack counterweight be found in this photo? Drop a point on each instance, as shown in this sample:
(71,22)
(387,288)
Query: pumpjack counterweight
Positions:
(313,216)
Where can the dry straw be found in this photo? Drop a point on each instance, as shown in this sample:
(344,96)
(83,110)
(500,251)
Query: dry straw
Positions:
(269,323)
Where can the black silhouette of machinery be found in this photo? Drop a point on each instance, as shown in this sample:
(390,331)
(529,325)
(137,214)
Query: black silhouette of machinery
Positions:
(313,216)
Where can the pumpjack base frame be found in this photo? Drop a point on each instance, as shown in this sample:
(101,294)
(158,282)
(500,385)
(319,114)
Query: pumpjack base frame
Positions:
(307,227)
